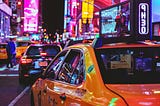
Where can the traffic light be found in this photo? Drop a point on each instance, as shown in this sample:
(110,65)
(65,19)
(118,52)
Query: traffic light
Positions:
(19,4)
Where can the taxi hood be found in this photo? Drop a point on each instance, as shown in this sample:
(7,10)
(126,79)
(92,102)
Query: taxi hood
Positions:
(138,94)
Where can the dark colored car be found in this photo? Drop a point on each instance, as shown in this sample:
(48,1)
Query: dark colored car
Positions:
(35,59)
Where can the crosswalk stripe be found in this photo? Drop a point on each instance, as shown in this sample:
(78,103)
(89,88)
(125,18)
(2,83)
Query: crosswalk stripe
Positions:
(15,68)
(5,75)
(3,68)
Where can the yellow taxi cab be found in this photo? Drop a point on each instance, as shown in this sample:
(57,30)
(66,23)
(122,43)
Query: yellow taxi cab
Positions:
(101,74)
(21,47)
(3,53)
(22,44)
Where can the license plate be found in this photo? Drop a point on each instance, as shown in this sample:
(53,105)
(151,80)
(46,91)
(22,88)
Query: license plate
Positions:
(43,63)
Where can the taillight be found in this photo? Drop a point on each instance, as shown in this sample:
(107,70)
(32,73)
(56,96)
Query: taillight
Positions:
(25,61)
(43,54)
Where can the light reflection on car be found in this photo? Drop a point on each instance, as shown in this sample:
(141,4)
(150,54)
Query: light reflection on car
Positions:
(119,74)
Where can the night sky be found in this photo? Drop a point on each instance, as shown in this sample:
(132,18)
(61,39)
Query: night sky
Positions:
(52,15)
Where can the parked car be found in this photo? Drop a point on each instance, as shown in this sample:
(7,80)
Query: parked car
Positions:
(21,47)
(35,59)
(101,74)
(3,53)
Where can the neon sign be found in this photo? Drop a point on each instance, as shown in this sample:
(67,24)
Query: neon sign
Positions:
(31,15)
(87,9)
(143,18)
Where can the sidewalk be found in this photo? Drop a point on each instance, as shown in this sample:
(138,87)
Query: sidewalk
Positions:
(4,71)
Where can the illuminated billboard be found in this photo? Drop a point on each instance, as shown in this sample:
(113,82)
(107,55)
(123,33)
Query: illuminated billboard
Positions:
(155,18)
(31,15)
(129,18)
(87,9)
(115,20)
(155,11)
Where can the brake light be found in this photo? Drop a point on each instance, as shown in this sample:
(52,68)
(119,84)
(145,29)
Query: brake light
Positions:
(43,54)
(25,61)
(2,51)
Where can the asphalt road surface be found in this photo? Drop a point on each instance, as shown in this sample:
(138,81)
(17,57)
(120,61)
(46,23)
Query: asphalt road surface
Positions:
(11,92)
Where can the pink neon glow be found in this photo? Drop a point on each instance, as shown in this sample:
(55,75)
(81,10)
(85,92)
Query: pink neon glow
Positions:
(74,8)
(123,0)
(31,15)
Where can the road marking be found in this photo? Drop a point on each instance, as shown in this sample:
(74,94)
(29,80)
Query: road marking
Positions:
(3,68)
(19,96)
(9,75)
(15,68)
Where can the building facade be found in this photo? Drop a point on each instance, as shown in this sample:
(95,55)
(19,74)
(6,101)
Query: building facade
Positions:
(81,17)
(5,14)
(27,17)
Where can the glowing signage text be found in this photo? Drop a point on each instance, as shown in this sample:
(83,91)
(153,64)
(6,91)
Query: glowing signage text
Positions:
(143,18)
(31,15)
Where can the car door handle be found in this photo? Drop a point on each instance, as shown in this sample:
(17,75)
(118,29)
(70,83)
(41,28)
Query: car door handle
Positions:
(63,96)
(45,91)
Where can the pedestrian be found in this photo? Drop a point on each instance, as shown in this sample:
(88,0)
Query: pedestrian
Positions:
(11,53)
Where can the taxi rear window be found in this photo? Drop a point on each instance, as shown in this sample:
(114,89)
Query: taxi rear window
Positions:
(129,65)
(50,50)
(19,44)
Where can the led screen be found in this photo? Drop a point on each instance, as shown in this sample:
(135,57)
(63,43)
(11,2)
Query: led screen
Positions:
(115,20)
(156,29)
(155,10)
(30,15)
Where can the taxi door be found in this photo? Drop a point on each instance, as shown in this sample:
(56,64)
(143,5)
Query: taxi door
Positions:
(49,96)
(64,90)
(51,90)
(70,79)
(61,94)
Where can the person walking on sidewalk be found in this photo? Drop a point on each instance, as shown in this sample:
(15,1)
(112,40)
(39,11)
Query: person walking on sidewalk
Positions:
(11,53)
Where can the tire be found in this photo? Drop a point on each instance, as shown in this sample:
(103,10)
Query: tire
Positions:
(21,79)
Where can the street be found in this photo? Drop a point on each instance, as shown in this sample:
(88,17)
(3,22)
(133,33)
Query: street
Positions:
(11,92)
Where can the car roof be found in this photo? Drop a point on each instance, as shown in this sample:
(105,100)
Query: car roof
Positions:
(124,42)
(44,45)
(72,42)
(118,44)
(130,45)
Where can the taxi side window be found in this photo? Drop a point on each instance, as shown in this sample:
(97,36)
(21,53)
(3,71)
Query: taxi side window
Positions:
(72,68)
(55,65)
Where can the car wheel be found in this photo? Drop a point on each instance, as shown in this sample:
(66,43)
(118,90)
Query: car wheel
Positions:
(32,99)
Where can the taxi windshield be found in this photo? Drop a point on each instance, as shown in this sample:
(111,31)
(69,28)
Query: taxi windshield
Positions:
(140,65)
